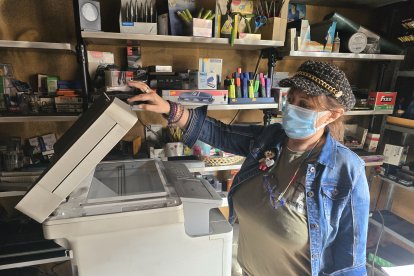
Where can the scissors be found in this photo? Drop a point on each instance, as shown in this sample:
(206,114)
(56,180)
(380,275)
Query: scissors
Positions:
(259,21)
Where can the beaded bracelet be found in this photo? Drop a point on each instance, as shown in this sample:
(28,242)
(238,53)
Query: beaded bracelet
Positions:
(176,113)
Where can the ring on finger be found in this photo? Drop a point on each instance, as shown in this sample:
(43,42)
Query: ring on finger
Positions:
(146,90)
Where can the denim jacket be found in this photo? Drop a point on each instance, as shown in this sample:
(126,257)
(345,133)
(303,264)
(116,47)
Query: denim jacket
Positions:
(337,195)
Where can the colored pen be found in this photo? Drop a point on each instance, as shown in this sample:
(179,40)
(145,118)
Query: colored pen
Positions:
(245,80)
(263,86)
(256,87)
(268,87)
(251,89)
(232,90)
(238,88)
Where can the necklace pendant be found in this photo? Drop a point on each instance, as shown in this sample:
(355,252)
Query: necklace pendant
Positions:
(263,166)
(266,162)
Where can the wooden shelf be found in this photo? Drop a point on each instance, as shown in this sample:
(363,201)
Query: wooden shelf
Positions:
(344,56)
(11,44)
(124,39)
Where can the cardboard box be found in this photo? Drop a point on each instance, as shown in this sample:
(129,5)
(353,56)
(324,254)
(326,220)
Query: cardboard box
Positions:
(51,84)
(242,6)
(196,97)
(68,104)
(355,136)
(117,78)
(210,65)
(202,27)
(6,70)
(371,142)
(43,144)
(208,75)
(281,94)
(382,100)
(202,80)
(96,58)
(275,28)
(2,92)
(395,155)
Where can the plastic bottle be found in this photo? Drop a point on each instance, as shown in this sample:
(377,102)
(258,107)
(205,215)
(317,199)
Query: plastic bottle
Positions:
(336,44)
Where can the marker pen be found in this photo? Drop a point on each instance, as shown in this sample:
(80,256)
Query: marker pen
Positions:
(256,87)
(268,87)
(232,90)
(251,89)
(263,86)
(238,88)
(245,80)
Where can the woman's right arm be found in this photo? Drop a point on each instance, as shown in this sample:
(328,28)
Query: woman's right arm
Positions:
(197,126)
(154,102)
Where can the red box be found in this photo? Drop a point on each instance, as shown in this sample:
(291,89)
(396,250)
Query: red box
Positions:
(382,100)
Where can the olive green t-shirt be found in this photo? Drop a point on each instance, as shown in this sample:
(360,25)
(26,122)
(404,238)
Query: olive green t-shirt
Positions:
(275,241)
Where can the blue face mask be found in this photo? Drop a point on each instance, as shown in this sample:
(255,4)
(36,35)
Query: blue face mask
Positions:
(300,123)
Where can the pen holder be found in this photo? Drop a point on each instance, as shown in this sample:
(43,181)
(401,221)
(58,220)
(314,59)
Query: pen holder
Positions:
(275,29)
(133,20)
(201,27)
(138,28)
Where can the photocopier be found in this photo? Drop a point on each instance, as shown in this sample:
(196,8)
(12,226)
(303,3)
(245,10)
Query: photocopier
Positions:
(129,217)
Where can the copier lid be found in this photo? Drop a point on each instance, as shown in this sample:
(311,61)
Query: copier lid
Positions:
(77,153)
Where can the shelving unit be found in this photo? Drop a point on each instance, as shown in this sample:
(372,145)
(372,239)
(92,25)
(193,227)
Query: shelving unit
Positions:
(368,112)
(123,39)
(395,226)
(394,229)
(36,262)
(373,164)
(408,188)
(45,118)
(343,56)
(216,168)
(406,74)
(399,128)
(10,44)
(229,106)
(12,193)
(347,3)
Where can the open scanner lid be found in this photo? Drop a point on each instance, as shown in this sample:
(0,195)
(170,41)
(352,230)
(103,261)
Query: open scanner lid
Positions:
(77,153)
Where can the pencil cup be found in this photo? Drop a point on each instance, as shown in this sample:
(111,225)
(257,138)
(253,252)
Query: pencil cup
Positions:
(275,29)
(202,27)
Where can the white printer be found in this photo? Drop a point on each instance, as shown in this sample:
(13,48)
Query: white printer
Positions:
(136,217)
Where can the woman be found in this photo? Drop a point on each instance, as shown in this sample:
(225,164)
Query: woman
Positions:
(301,197)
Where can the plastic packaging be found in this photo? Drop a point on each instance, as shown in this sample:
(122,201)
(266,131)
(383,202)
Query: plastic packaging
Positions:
(336,44)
